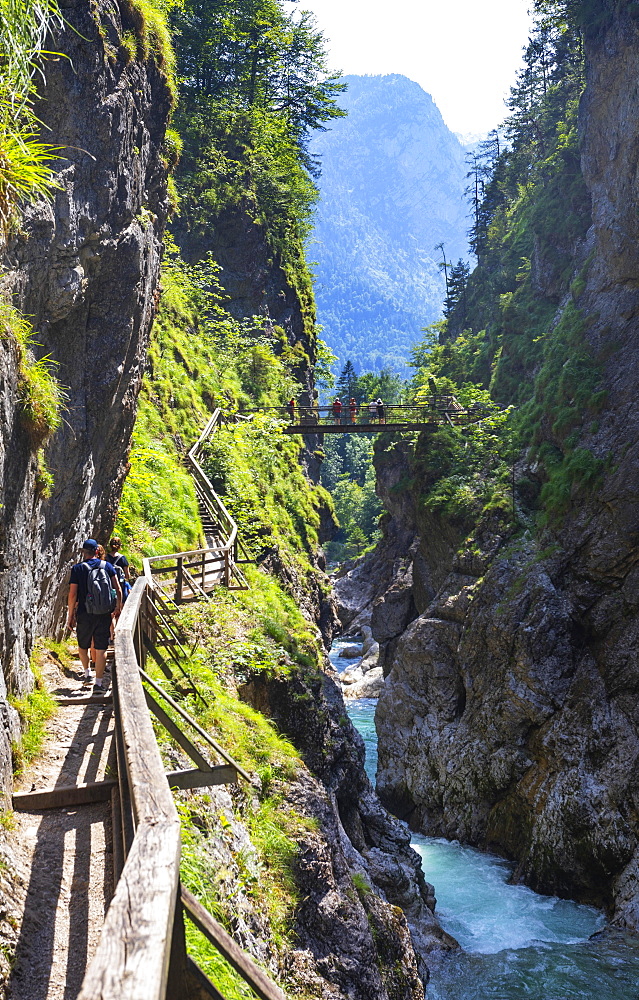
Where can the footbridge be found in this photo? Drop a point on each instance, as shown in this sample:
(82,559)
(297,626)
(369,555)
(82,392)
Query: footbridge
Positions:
(372,418)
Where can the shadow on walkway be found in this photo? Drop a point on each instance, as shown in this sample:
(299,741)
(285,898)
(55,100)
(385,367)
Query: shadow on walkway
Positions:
(70,882)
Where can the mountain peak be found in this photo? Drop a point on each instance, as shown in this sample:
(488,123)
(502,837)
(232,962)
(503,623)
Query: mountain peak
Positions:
(391,188)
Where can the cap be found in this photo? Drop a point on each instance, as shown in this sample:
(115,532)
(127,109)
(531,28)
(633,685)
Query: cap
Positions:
(90,545)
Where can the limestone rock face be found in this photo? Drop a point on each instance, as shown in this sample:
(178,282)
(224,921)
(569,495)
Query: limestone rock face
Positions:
(364,685)
(85,269)
(509,717)
(366,840)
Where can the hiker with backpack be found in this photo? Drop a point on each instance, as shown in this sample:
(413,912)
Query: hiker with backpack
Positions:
(121,563)
(94,595)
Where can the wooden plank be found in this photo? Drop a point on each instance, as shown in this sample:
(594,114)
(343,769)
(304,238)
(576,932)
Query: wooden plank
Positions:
(259,982)
(84,699)
(205,736)
(194,585)
(189,749)
(116,834)
(127,831)
(132,957)
(178,976)
(64,795)
(221,774)
(131,960)
(167,626)
(178,663)
(200,986)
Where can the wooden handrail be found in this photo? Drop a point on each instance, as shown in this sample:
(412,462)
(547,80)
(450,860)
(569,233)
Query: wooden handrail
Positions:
(132,958)
(224,554)
(142,954)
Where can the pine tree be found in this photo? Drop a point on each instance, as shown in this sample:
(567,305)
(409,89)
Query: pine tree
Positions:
(347,382)
(456,298)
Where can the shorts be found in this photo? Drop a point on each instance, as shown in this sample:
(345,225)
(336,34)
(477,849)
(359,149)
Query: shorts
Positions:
(96,627)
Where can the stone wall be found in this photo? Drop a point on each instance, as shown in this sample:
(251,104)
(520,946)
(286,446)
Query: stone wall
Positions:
(85,269)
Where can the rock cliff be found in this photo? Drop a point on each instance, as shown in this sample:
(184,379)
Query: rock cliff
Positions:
(85,269)
(509,716)
(358,838)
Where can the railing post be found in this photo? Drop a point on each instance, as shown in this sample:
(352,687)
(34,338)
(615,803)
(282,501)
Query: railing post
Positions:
(179,580)
(227,568)
(177,987)
(204,571)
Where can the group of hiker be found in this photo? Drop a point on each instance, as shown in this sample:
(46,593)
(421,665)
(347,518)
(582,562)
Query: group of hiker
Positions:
(346,413)
(98,587)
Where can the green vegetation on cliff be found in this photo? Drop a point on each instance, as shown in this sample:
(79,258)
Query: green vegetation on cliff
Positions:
(515,328)
(244,152)
(25,161)
(254,87)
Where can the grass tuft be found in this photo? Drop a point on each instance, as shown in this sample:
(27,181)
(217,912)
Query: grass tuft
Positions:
(40,395)
(34,709)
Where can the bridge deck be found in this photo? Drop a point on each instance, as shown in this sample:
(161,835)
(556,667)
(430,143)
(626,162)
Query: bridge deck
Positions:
(358,428)
(366,418)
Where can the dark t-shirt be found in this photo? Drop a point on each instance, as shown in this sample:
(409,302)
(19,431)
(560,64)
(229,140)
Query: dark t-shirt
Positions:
(117,559)
(80,575)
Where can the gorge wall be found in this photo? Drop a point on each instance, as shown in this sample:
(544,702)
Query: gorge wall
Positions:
(509,715)
(85,269)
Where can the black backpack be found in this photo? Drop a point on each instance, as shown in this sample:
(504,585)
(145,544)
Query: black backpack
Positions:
(124,583)
(101,597)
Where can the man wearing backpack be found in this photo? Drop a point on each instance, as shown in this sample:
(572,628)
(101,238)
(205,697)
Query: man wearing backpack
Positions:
(94,594)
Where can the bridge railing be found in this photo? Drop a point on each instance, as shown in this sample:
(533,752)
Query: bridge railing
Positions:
(432,410)
(142,952)
(186,576)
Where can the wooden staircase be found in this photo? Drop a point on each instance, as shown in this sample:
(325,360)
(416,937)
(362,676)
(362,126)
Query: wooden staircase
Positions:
(191,576)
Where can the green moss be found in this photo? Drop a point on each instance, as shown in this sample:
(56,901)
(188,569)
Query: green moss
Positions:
(362,887)
(152,36)
(34,709)
(44,480)
(40,395)
(579,470)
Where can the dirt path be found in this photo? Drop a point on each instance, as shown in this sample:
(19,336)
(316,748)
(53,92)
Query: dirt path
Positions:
(64,856)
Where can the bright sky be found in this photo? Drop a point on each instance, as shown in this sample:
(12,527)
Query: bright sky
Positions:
(465,53)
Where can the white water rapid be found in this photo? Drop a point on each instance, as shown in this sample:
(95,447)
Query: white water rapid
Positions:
(517,944)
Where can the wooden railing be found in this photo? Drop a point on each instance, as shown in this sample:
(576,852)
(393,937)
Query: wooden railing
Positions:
(142,952)
(371,418)
(186,576)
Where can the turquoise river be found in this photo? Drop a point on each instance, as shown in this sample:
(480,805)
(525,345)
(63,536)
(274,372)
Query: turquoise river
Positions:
(517,944)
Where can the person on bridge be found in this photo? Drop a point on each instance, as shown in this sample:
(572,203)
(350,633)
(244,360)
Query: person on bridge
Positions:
(291,409)
(352,409)
(337,410)
(372,412)
(381,415)
(93,582)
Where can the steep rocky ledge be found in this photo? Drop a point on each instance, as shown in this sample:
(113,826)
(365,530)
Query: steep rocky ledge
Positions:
(85,269)
(358,837)
(510,714)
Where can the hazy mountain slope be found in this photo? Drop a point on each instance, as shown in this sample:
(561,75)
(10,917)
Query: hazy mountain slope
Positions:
(391,188)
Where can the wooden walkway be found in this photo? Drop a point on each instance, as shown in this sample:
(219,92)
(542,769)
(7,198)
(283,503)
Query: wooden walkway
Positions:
(191,576)
(140,952)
